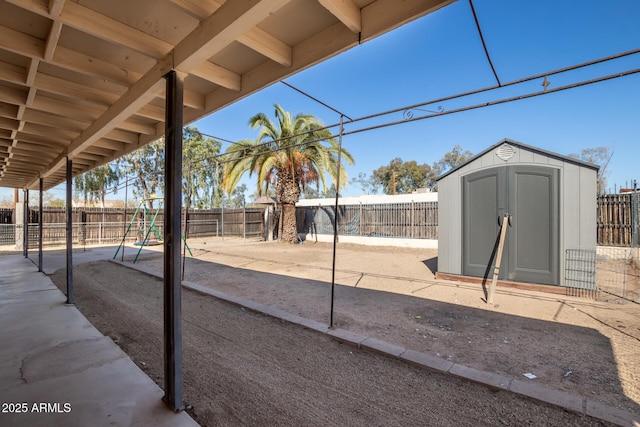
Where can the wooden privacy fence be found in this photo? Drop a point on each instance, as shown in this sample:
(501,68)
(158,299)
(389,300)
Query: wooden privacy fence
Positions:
(247,222)
(412,220)
(618,218)
(6,216)
(618,222)
(106,226)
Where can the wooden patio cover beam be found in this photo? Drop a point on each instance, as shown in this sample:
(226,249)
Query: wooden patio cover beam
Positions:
(214,34)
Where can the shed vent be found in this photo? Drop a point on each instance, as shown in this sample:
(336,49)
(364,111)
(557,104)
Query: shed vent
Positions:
(505,152)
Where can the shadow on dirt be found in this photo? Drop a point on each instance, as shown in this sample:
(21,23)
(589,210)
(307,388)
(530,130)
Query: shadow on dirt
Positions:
(431,264)
(572,358)
(242,368)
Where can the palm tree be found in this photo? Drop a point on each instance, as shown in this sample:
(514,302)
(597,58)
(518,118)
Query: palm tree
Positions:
(290,154)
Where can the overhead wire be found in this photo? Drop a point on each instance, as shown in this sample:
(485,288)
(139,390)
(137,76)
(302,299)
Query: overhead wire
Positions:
(504,85)
(484,44)
(500,101)
(222,157)
(340,113)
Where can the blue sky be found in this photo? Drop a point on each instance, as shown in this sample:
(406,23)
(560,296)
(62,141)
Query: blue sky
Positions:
(441,55)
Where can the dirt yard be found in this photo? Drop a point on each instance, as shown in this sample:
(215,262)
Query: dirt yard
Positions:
(243,368)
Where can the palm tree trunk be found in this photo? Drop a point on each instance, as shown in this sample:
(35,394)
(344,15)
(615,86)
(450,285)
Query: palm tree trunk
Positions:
(288,193)
(289,226)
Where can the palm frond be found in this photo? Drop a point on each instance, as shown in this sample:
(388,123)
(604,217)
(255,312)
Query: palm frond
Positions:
(302,151)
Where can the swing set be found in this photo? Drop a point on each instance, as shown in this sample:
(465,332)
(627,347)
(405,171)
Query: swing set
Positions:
(144,231)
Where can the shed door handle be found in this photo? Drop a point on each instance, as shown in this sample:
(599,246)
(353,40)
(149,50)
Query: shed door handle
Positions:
(509,219)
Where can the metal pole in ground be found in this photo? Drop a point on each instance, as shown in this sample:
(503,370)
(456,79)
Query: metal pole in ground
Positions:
(186,220)
(335,222)
(25,235)
(69,213)
(184,244)
(124,223)
(635,216)
(172,220)
(41,201)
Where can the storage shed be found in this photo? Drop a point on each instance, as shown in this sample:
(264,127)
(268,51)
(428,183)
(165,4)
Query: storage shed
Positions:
(549,201)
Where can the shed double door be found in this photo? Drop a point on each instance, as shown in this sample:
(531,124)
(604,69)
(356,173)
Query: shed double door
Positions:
(529,196)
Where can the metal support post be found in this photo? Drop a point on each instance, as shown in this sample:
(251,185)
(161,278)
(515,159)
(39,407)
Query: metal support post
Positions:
(635,216)
(335,222)
(25,234)
(172,220)
(124,222)
(69,232)
(40,203)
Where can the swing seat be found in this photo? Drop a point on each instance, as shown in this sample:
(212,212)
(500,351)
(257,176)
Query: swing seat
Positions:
(153,242)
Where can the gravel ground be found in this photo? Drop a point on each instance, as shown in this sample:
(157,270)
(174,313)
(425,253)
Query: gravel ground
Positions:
(243,368)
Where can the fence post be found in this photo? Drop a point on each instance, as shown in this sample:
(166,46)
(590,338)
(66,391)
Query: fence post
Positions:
(635,218)
(266,219)
(83,225)
(25,234)
(360,220)
(100,227)
(413,221)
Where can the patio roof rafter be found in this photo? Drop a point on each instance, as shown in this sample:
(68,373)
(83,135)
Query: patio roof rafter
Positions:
(80,76)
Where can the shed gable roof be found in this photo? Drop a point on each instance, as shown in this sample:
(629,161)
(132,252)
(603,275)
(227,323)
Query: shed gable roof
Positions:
(513,143)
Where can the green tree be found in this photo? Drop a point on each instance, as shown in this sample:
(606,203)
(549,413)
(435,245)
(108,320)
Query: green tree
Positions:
(450,159)
(330,193)
(201,170)
(368,184)
(271,193)
(399,177)
(6,202)
(310,192)
(199,164)
(50,199)
(131,204)
(146,164)
(600,156)
(291,153)
(93,184)
(238,198)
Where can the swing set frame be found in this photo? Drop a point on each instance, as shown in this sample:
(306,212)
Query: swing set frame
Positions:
(152,227)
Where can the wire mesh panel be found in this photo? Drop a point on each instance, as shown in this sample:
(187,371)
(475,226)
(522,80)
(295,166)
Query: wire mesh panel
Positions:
(618,272)
(83,233)
(580,269)
(7,234)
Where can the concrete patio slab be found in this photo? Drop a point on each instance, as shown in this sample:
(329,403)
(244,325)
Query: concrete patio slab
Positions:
(57,369)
